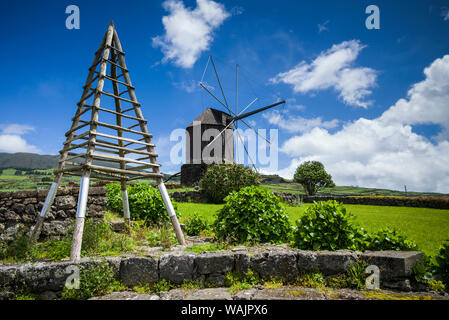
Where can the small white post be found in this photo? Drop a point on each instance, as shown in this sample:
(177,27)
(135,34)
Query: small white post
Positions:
(171,213)
(125,205)
(75,254)
(45,209)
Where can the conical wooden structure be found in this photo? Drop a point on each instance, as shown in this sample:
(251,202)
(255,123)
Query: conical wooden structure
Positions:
(108,140)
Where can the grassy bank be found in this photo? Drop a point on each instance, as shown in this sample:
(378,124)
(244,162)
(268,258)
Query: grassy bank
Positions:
(427,227)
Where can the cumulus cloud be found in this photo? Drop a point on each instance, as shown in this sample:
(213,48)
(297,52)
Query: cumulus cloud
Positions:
(189,32)
(333,69)
(385,152)
(295,124)
(11,140)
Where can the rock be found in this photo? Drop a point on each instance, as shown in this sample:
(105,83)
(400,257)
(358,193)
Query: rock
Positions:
(117,226)
(18,208)
(61,214)
(136,270)
(65,202)
(177,266)
(399,285)
(56,228)
(2,228)
(307,261)
(126,295)
(214,263)
(242,261)
(200,294)
(10,216)
(29,200)
(275,264)
(335,262)
(247,294)
(393,264)
(48,295)
(288,294)
(29,209)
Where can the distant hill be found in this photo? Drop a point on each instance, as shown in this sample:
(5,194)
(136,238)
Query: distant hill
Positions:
(272,179)
(22,160)
(27,161)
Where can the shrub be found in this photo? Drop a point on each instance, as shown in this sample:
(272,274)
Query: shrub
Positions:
(442,264)
(221,179)
(328,226)
(145,203)
(94,281)
(389,239)
(253,214)
(195,225)
(312,176)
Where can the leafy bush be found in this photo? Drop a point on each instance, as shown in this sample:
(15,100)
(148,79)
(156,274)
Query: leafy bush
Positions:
(389,239)
(94,281)
(253,214)
(312,176)
(328,226)
(221,179)
(145,203)
(442,264)
(195,225)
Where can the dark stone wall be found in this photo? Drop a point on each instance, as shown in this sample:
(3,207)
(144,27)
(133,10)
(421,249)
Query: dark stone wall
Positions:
(19,209)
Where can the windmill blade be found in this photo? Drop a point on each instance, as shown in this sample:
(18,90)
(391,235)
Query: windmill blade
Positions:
(216,137)
(268,141)
(208,91)
(246,150)
(218,79)
(204,72)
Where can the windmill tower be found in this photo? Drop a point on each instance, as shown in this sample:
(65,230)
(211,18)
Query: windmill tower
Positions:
(210,137)
(105,142)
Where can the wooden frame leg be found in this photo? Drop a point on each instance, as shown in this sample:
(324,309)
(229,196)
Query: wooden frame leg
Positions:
(75,254)
(45,209)
(171,213)
(125,204)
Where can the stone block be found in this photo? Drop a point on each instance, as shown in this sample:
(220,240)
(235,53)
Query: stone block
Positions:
(335,262)
(214,262)
(393,264)
(137,270)
(177,266)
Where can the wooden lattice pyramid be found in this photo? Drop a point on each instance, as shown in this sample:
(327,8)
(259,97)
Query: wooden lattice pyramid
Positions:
(105,142)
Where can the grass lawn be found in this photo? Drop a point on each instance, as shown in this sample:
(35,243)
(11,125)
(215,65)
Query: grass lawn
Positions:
(427,227)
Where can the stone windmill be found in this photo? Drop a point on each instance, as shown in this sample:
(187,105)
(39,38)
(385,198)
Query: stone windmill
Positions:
(106,142)
(218,126)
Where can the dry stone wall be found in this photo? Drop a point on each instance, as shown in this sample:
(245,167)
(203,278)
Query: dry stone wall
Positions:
(20,208)
(178,265)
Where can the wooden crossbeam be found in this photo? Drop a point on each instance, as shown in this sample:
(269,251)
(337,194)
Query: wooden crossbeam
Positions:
(125,111)
(122,115)
(120,98)
(121,138)
(136,173)
(120,159)
(127,150)
(111,126)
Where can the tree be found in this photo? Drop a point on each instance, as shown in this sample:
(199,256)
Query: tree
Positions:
(312,176)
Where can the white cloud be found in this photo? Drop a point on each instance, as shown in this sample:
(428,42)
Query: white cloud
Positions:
(18,129)
(385,152)
(189,32)
(295,124)
(332,69)
(11,140)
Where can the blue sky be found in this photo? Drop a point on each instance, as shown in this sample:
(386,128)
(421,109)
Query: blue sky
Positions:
(343,83)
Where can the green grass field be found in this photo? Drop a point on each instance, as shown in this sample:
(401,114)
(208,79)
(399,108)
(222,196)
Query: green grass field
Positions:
(427,227)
